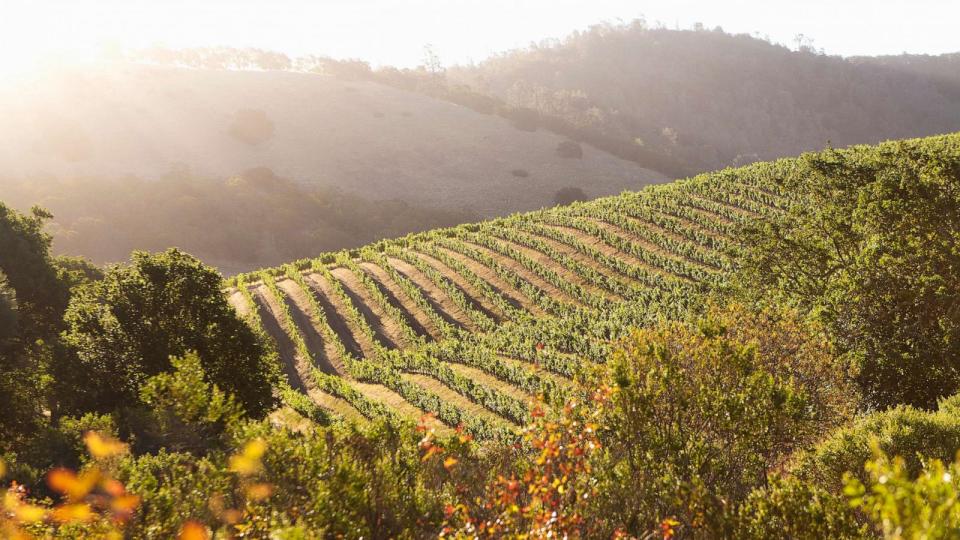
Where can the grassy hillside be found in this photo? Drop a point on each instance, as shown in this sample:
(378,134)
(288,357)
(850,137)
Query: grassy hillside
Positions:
(362,138)
(471,322)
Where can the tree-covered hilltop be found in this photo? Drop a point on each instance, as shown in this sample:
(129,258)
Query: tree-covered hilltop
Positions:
(757,352)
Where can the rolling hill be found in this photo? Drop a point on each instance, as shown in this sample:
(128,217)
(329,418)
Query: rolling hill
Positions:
(359,137)
(710,99)
(470,323)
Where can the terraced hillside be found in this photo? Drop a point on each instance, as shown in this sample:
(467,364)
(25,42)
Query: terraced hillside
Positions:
(471,323)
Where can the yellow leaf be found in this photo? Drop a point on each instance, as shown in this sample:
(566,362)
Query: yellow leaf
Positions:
(255,449)
(449,462)
(3,468)
(28,513)
(103,447)
(71,513)
(247,462)
(125,503)
(192,530)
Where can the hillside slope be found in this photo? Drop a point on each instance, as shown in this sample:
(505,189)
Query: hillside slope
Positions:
(470,323)
(709,99)
(363,138)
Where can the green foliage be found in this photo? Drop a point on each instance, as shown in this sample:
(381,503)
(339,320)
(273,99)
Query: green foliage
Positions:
(186,413)
(697,420)
(874,251)
(341,481)
(788,508)
(32,300)
(8,318)
(26,261)
(127,326)
(76,271)
(903,431)
(904,506)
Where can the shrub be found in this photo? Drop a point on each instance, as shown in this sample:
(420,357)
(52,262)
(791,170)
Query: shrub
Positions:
(872,252)
(903,505)
(569,149)
(184,412)
(569,195)
(903,431)
(126,327)
(789,508)
(697,420)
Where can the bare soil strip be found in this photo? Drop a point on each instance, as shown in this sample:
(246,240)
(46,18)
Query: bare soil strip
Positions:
(449,395)
(691,224)
(491,381)
(424,326)
(610,251)
(645,244)
(238,302)
(539,370)
(564,273)
(361,346)
(438,299)
(294,367)
(325,354)
(515,297)
(521,271)
(337,405)
(395,401)
(334,318)
(732,207)
(384,327)
(474,296)
(584,259)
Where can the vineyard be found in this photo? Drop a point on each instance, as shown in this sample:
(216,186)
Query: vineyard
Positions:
(471,323)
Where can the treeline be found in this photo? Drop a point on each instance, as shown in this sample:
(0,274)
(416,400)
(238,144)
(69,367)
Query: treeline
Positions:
(708,99)
(252,220)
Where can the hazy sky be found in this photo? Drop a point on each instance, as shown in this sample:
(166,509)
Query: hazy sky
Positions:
(394,32)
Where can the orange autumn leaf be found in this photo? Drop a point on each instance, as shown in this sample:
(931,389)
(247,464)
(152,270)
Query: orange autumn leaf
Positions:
(74,487)
(73,513)
(258,492)
(125,503)
(449,463)
(192,530)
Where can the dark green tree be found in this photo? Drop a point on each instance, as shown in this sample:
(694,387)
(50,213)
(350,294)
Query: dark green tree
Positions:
(874,252)
(25,258)
(32,302)
(126,327)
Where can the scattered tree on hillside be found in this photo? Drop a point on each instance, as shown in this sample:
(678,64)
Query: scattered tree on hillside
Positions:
(251,126)
(569,195)
(569,149)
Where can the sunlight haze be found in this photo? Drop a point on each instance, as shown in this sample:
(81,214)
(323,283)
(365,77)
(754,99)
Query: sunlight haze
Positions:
(394,33)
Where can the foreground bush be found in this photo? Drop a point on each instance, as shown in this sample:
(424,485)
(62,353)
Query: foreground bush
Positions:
(698,419)
(873,252)
(912,434)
